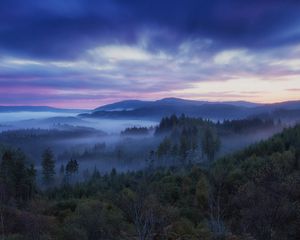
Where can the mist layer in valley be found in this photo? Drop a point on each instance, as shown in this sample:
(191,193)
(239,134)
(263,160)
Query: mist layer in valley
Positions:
(125,145)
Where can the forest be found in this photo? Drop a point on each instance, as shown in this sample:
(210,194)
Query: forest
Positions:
(251,193)
(149,120)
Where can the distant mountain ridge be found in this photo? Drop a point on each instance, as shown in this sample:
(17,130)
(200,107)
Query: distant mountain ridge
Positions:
(37,109)
(134,104)
(155,110)
(123,105)
(136,109)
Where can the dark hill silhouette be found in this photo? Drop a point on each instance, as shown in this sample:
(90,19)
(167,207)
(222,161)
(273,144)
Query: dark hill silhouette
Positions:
(135,109)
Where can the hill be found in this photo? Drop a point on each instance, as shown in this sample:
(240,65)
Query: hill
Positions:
(135,104)
(37,109)
(134,109)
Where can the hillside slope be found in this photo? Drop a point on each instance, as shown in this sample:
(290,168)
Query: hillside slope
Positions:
(135,109)
(258,189)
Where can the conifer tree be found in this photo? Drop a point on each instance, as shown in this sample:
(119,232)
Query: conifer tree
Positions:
(48,166)
(72,167)
(210,143)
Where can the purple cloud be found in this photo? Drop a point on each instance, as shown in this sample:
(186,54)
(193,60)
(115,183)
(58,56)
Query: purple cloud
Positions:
(91,52)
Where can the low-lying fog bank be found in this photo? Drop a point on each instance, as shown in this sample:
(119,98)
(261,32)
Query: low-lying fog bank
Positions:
(103,144)
(50,120)
(14,117)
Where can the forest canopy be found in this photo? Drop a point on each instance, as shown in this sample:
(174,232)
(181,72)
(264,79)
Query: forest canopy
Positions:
(251,194)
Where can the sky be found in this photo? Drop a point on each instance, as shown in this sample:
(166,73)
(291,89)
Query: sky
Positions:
(86,53)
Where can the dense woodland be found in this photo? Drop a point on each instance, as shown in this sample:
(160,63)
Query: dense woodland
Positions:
(251,194)
(188,140)
(135,131)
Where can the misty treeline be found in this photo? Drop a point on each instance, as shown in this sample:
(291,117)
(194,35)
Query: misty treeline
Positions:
(251,194)
(63,131)
(66,173)
(33,141)
(176,140)
(136,131)
(189,139)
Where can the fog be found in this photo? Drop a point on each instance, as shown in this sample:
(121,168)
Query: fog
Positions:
(13,117)
(115,126)
(237,142)
(69,136)
(49,120)
(97,143)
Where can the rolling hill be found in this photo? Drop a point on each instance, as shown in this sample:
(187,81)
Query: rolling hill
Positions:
(135,109)
(37,109)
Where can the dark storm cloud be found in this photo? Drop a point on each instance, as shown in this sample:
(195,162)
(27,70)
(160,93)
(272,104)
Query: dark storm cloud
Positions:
(84,52)
(62,29)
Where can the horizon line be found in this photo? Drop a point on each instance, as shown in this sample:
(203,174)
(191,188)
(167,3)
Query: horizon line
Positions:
(145,100)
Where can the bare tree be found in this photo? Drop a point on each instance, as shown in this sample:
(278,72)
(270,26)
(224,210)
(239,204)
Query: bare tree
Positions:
(216,203)
(143,211)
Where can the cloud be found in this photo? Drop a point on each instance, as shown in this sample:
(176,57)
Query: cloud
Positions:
(113,49)
(64,29)
(293,89)
(229,56)
(120,53)
(126,67)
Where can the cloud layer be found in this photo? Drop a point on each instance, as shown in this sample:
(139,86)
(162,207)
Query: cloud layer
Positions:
(89,52)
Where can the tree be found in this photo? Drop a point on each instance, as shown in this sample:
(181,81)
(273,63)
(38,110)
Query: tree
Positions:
(62,170)
(210,143)
(48,165)
(202,193)
(16,177)
(164,147)
(184,145)
(71,168)
(143,210)
(94,220)
(17,185)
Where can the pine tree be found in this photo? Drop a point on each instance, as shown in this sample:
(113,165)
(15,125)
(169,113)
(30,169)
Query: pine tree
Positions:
(62,170)
(16,177)
(72,167)
(210,143)
(48,165)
